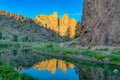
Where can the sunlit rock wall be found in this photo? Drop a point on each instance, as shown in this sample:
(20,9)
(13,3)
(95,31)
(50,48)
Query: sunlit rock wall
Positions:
(64,26)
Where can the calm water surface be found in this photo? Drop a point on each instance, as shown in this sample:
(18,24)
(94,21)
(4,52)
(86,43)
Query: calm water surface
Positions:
(47,75)
(27,58)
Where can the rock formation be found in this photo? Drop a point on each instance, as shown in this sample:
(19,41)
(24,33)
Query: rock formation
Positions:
(101,23)
(64,27)
(48,21)
(67,26)
(52,64)
(14,27)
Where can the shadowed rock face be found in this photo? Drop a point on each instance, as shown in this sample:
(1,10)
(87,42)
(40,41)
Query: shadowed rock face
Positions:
(101,23)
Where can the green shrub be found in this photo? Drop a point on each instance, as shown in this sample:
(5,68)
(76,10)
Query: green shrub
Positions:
(8,73)
(49,46)
(15,38)
(103,49)
(0,35)
(26,77)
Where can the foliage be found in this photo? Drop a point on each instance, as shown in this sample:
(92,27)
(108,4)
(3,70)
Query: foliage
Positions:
(15,38)
(25,39)
(7,73)
(0,35)
(103,49)
(26,77)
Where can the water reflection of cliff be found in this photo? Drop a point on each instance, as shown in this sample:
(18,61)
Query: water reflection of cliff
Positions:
(52,64)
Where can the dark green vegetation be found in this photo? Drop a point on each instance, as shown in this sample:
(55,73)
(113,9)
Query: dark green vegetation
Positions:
(8,73)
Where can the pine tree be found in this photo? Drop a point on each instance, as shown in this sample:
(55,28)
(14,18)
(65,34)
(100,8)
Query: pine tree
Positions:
(15,38)
(0,35)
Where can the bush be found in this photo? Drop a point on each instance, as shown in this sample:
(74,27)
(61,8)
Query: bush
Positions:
(8,73)
(26,77)
(0,35)
(49,46)
(15,38)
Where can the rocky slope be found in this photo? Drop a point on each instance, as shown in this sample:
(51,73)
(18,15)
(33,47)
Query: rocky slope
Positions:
(101,23)
(64,26)
(15,27)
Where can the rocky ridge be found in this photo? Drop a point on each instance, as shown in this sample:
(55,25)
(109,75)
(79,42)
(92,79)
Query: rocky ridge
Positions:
(14,27)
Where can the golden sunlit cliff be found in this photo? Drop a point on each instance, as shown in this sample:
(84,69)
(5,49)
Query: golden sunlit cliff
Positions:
(52,64)
(64,26)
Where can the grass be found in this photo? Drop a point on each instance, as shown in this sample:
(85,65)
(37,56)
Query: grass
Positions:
(97,54)
(86,52)
(8,44)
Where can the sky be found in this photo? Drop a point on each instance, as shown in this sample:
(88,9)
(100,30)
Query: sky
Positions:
(32,8)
